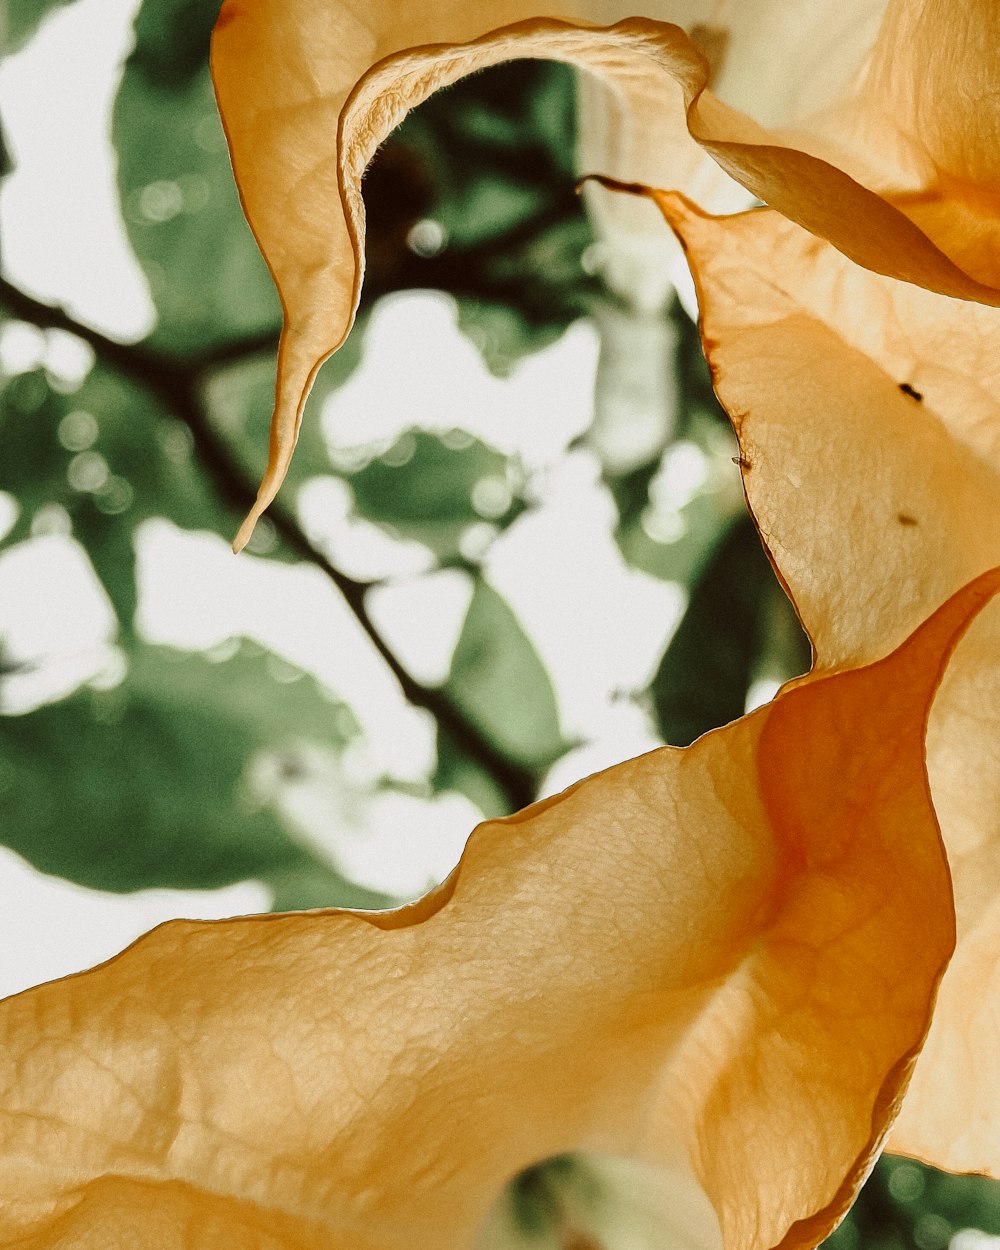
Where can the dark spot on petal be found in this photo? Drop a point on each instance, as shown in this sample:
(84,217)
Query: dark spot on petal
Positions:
(904,518)
(742,462)
(913,393)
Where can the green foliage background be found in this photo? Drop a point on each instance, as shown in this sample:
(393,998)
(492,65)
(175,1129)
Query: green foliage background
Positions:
(153,771)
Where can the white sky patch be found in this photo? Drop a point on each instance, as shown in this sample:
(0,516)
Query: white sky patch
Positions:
(10,510)
(421,619)
(973,1239)
(681,476)
(352,544)
(626,731)
(22,347)
(52,927)
(420,370)
(400,844)
(599,626)
(762,690)
(55,619)
(410,844)
(59,217)
(194,593)
(66,358)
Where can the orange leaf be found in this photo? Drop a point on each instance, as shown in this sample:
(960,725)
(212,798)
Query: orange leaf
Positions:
(308,91)
(868,413)
(691,961)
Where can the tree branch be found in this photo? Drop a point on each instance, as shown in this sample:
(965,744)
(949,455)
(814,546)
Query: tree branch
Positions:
(178,384)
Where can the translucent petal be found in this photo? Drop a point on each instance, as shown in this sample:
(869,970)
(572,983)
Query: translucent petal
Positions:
(308,91)
(690,961)
(868,413)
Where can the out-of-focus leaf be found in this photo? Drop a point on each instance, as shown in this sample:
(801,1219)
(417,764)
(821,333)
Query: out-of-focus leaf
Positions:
(689,961)
(150,783)
(19,19)
(498,680)
(431,488)
(474,193)
(669,528)
(697,399)
(240,397)
(523,293)
(703,678)
(180,207)
(33,466)
(502,333)
(498,146)
(904,1204)
(172,39)
(868,413)
(455,770)
(109,456)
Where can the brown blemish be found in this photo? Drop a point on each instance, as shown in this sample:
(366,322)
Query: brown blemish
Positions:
(904,518)
(913,393)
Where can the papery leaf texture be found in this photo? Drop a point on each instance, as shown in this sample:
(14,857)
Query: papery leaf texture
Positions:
(309,89)
(690,961)
(868,414)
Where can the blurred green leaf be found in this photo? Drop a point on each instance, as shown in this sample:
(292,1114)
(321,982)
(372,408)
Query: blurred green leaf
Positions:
(537,1197)
(431,488)
(703,678)
(154,778)
(19,19)
(697,398)
(108,455)
(532,292)
(179,201)
(241,397)
(907,1206)
(499,681)
(172,39)
(498,145)
(680,560)
(490,163)
(672,557)
(456,770)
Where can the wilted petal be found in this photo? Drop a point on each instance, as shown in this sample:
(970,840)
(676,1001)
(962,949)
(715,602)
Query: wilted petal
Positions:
(309,90)
(691,961)
(868,414)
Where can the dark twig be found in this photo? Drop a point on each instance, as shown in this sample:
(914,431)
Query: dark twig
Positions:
(178,384)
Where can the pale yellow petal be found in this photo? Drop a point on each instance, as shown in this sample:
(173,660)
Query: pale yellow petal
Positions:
(868,413)
(778,61)
(690,961)
(308,91)
(929,121)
